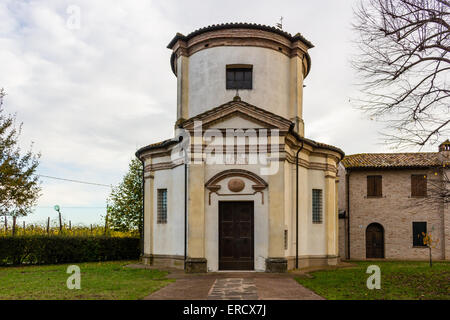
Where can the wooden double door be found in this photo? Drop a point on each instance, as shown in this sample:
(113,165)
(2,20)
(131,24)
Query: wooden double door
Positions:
(374,241)
(236,235)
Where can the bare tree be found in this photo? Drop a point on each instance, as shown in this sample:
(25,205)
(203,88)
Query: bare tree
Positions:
(404,66)
(439,188)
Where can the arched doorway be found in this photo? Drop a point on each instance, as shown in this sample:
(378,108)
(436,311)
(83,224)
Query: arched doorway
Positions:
(374,241)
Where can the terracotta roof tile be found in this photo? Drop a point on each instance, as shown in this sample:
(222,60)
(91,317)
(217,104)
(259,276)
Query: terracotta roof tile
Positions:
(392,160)
(243,25)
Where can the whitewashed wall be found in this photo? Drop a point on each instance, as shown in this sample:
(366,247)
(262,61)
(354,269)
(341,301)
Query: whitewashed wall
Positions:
(207,74)
(169,237)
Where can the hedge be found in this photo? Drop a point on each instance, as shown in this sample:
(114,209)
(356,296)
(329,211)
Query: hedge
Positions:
(64,249)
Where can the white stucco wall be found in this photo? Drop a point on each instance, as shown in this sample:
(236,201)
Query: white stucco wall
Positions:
(169,237)
(317,232)
(207,74)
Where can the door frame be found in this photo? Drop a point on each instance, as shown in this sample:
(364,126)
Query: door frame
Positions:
(252,230)
(381,228)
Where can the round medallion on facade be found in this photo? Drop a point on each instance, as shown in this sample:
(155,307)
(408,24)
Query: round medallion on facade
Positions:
(236,185)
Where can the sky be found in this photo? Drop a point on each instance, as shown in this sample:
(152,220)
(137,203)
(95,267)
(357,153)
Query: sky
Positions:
(90,94)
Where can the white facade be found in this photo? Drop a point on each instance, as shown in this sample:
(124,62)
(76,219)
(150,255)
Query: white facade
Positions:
(273,106)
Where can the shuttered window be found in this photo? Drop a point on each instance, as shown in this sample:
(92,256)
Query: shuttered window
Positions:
(162,206)
(374,186)
(418,228)
(239,77)
(418,185)
(317,206)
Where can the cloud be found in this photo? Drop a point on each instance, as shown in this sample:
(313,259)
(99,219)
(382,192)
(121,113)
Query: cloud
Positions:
(90,97)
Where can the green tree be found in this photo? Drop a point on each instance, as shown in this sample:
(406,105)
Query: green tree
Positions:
(125,200)
(19,185)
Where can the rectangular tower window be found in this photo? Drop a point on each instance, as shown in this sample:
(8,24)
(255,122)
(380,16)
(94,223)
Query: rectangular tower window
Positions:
(317,206)
(418,228)
(374,186)
(162,206)
(239,76)
(418,185)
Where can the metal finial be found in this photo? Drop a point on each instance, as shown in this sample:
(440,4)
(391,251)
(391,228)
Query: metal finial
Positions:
(280,24)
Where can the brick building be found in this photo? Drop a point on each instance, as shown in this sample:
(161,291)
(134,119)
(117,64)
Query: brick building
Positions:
(387,200)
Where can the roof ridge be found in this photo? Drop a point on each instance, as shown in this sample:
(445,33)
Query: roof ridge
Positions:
(392,160)
(230,25)
(389,153)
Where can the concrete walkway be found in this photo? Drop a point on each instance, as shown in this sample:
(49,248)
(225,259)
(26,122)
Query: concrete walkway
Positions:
(234,286)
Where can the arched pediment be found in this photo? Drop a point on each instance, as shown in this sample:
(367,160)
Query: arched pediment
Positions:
(213,184)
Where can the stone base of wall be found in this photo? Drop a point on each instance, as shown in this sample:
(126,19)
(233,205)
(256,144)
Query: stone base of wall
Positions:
(312,261)
(196,265)
(161,260)
(276,265)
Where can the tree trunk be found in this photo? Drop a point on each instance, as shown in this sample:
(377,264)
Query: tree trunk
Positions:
(6,224)
(60,221)
(48,225)
(431,261)
(106,222)
(14,226)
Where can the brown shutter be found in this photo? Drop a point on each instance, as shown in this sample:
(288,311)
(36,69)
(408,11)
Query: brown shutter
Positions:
(374,186)
(378,186)
(370,186)
(413,186)
(418,185)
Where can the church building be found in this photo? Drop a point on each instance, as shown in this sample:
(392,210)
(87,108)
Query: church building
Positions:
(240,187)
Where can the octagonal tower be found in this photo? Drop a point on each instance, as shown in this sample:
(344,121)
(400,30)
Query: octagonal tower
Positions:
(264,65)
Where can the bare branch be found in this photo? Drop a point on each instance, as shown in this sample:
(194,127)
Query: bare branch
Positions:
(404,66)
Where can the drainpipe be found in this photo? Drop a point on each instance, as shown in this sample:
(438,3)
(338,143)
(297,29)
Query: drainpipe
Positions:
(142,210)
(347,180)
(185,201)
(185,212)
(296,205)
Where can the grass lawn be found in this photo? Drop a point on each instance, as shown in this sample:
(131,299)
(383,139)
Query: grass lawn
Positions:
(99,280)
(399,280)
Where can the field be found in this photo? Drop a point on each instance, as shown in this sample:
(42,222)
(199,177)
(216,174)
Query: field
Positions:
(399,281)
(99,280)
(78,230)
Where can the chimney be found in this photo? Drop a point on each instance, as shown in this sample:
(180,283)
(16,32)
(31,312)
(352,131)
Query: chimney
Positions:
(444,146)
(444,153)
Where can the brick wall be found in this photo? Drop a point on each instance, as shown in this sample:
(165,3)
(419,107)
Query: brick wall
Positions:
(395,211)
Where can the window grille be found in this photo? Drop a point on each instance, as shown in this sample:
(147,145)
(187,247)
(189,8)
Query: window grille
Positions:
(317,206)
(239,77)
(162,206)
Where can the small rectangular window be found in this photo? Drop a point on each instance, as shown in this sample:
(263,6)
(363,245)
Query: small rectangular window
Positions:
(239,77)
(419,229)
(418,185)
(317,206)
(374,186)
(162,206)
